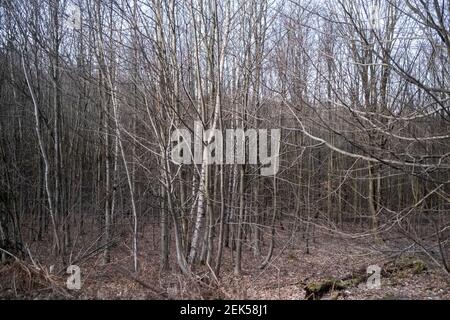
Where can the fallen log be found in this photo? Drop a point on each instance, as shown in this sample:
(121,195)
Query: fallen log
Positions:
(317,289)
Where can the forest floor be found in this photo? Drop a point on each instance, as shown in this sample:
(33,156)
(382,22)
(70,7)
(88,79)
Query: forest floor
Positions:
(290,269)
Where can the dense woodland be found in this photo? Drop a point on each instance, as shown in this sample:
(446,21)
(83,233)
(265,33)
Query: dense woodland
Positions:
(90,92)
